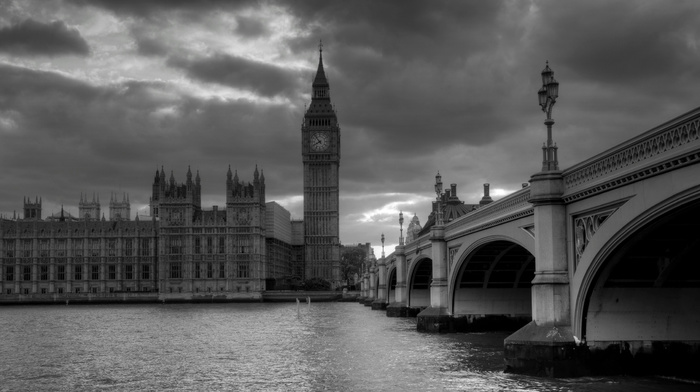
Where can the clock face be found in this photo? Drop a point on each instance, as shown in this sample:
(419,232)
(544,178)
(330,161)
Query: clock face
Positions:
(320,141)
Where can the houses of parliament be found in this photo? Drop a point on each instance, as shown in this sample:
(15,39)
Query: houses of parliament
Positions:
(182,251)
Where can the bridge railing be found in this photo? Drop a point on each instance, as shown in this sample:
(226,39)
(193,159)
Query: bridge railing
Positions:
(490,213)
(678,137)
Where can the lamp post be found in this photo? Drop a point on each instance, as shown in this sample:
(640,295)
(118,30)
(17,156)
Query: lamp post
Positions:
(382,245)
(401,227)
(547,95)
(438,192)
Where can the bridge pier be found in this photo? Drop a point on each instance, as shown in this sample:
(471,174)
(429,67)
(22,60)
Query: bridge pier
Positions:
(436,317)
(380,302)
(398,307)
(546,346)
(371,294)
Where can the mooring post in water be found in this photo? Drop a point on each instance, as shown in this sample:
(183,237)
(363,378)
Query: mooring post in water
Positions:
(297,307)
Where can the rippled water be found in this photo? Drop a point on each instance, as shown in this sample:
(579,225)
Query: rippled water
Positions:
(256,347)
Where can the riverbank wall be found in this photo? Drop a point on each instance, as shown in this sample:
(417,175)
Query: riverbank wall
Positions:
(154,297)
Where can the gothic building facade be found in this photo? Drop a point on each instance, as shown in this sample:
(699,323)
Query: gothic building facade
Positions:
(181,252)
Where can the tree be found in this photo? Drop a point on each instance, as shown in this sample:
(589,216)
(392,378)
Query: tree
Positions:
(351,259)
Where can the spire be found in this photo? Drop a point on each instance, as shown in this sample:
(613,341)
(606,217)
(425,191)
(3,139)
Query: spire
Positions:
(228,173)
(256,175)
(235,177)
(197,178)
(320,79)
(320,85)
(189,175)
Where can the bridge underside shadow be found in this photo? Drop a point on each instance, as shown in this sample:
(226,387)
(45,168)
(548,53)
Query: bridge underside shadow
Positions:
(391,286)
(492,290)
(419,288)
(643,313)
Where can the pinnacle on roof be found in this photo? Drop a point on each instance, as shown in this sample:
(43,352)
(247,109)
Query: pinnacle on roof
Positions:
(320,79)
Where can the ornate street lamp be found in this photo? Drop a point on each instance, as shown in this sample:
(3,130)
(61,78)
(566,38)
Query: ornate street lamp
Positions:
(438,192)
(547,96)
(401,227)
(382,245)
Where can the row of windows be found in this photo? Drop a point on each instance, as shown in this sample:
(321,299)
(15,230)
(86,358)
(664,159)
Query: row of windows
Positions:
(90,247)
(74,260)
(77,290)
(130,272)
(208,245)
(208,270)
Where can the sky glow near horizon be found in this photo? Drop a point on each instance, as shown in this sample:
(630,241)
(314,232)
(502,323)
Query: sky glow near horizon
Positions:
(95,96)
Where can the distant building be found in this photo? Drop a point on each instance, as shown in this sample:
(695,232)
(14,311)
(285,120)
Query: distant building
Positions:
(298,250)
(278,236)
(181,251)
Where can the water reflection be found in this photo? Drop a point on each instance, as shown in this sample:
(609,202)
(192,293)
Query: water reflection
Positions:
(255,347)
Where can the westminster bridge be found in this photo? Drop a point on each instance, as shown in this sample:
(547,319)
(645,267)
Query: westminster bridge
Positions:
(603,257)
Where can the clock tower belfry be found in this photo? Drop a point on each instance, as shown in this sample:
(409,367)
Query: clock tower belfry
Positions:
(320,149)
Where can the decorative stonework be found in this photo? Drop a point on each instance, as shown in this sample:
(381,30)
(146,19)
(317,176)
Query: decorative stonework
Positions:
(585,227)
(529,230)
(511,202)
(451,257)
(519,215)
(675,136)
(639,175)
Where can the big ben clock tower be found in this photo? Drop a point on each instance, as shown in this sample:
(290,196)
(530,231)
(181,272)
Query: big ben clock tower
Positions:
(320,149)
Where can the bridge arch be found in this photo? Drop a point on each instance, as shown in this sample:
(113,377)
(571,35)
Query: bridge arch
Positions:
(391,285)
(638,280)
(493,277)
(420,275)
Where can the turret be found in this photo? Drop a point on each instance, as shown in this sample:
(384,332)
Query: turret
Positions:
(89,210)
(32,211)
(119,210)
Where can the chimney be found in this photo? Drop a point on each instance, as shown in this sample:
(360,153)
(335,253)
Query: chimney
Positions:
(486,199)
(453,188)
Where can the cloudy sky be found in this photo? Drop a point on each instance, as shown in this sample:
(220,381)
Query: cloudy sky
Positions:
(97,95)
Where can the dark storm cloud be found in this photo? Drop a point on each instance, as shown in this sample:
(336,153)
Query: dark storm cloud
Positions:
(415,74)
(250,27)
(262,78)
(123,131)
(36,38)
(154,9)
(148,45)
(624,45)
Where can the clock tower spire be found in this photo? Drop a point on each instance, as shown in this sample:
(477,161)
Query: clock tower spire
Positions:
(320,149)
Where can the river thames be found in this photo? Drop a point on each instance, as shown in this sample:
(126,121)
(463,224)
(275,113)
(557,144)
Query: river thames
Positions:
(257,347)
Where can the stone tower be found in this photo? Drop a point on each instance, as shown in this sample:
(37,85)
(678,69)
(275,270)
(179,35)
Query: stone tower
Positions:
(175,203)
(32,211)
(245,219)
(119,210)
(89,210)
(320,148)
